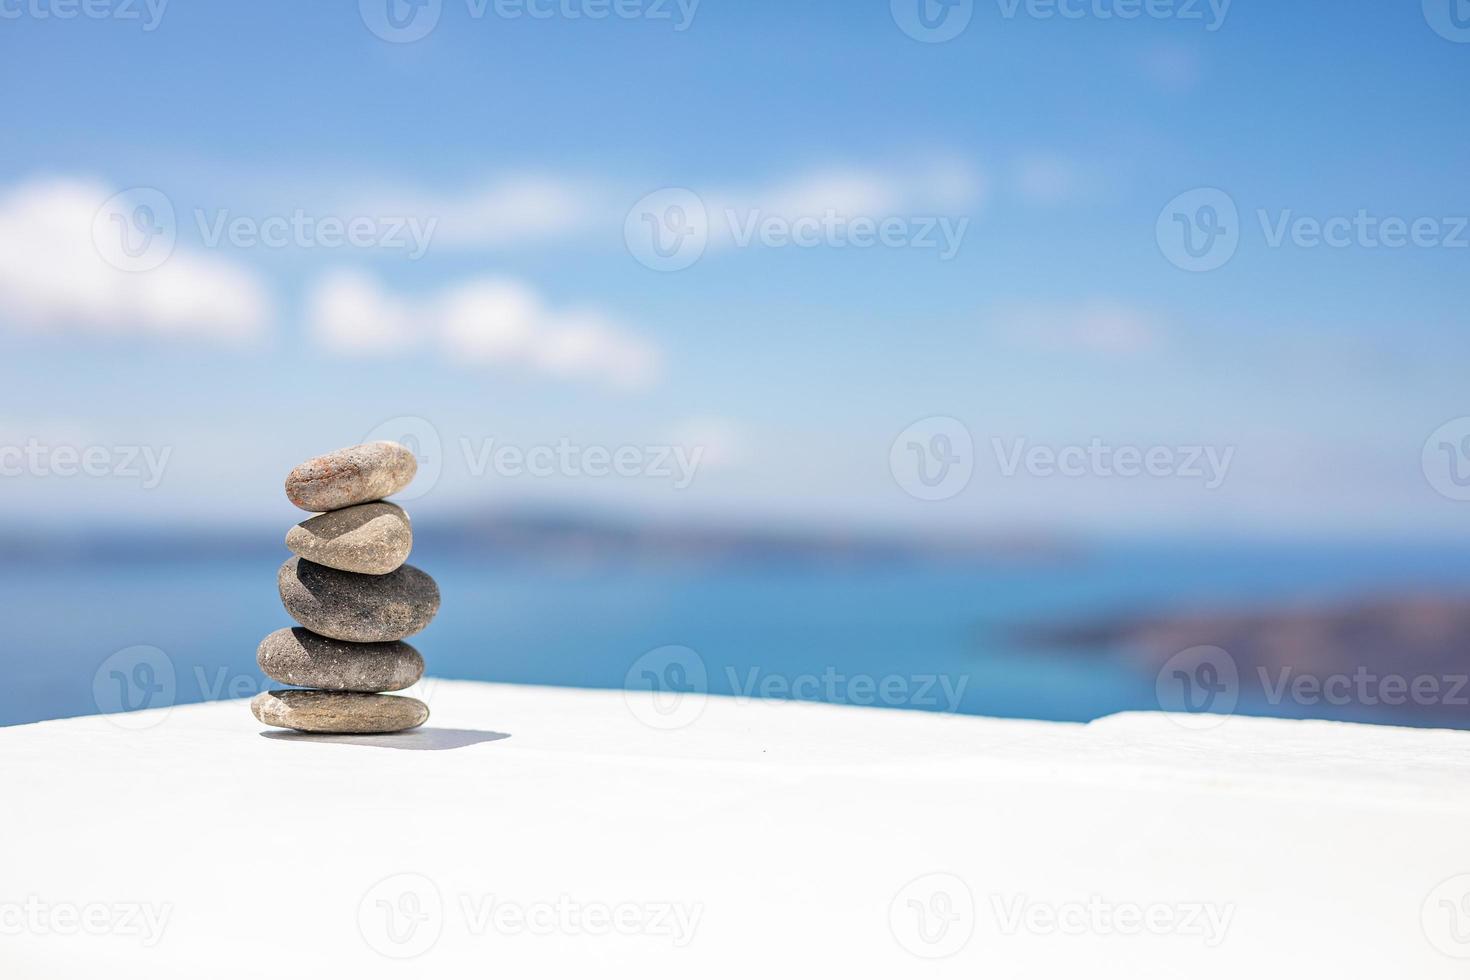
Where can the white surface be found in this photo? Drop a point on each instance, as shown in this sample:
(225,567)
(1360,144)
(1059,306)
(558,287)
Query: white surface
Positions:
(761,839)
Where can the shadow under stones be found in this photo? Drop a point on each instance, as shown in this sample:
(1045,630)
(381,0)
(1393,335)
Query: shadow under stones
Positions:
(418,739)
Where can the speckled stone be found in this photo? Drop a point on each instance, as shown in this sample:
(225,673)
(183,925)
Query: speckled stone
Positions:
(358,608)
(339,712)
(301,658)
(372,539)
(351,476)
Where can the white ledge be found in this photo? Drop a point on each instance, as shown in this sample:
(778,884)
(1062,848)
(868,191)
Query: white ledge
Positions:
(760,838)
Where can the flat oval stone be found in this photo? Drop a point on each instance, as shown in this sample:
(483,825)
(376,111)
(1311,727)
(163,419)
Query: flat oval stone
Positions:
(372,539)
(301,658)
(358,608)
(351,476)
(339,712)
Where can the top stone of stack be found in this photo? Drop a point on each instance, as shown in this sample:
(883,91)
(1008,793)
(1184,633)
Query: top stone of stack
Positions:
(356,475)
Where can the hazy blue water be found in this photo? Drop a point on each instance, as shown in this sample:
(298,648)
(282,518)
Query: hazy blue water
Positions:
(558,624)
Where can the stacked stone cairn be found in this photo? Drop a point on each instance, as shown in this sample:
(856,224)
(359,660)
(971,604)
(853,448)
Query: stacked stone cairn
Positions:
(356,600)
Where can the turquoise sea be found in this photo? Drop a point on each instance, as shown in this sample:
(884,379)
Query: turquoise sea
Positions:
(938,634)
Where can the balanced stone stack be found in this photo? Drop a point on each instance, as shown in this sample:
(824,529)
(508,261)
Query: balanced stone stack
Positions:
(354,597)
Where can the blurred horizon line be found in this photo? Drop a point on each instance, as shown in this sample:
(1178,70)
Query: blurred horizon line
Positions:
(523,529)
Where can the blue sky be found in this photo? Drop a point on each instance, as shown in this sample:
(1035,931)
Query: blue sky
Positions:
(1059,321)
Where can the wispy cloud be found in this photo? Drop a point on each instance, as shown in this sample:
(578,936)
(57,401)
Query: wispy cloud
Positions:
(722,441)
(488,321)
(531,209)
(1099,326)
(501,210)
(848,190)
(1050,179)
(54,277)
(1174,67)
(930,188)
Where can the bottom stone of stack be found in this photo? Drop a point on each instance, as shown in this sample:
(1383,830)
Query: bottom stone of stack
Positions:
(339,712)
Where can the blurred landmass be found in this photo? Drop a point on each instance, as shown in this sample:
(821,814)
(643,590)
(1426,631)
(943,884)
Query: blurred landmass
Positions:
(1406,654)
(548,535)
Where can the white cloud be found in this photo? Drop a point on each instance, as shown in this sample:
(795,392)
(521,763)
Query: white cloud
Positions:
(487,321)
(722,442)
(503,210)
(529,209)
(844,191)
(53,279)
(1049,179)
(1095,326)
(928,189)
(350,313)
(1174,67)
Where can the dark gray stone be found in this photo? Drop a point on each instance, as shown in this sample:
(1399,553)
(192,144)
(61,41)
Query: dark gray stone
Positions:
(339,712)
(358,608)
(355,475)
(372,539)
(301,658)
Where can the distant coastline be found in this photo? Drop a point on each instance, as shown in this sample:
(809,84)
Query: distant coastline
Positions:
(1405,654)
(550,536)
